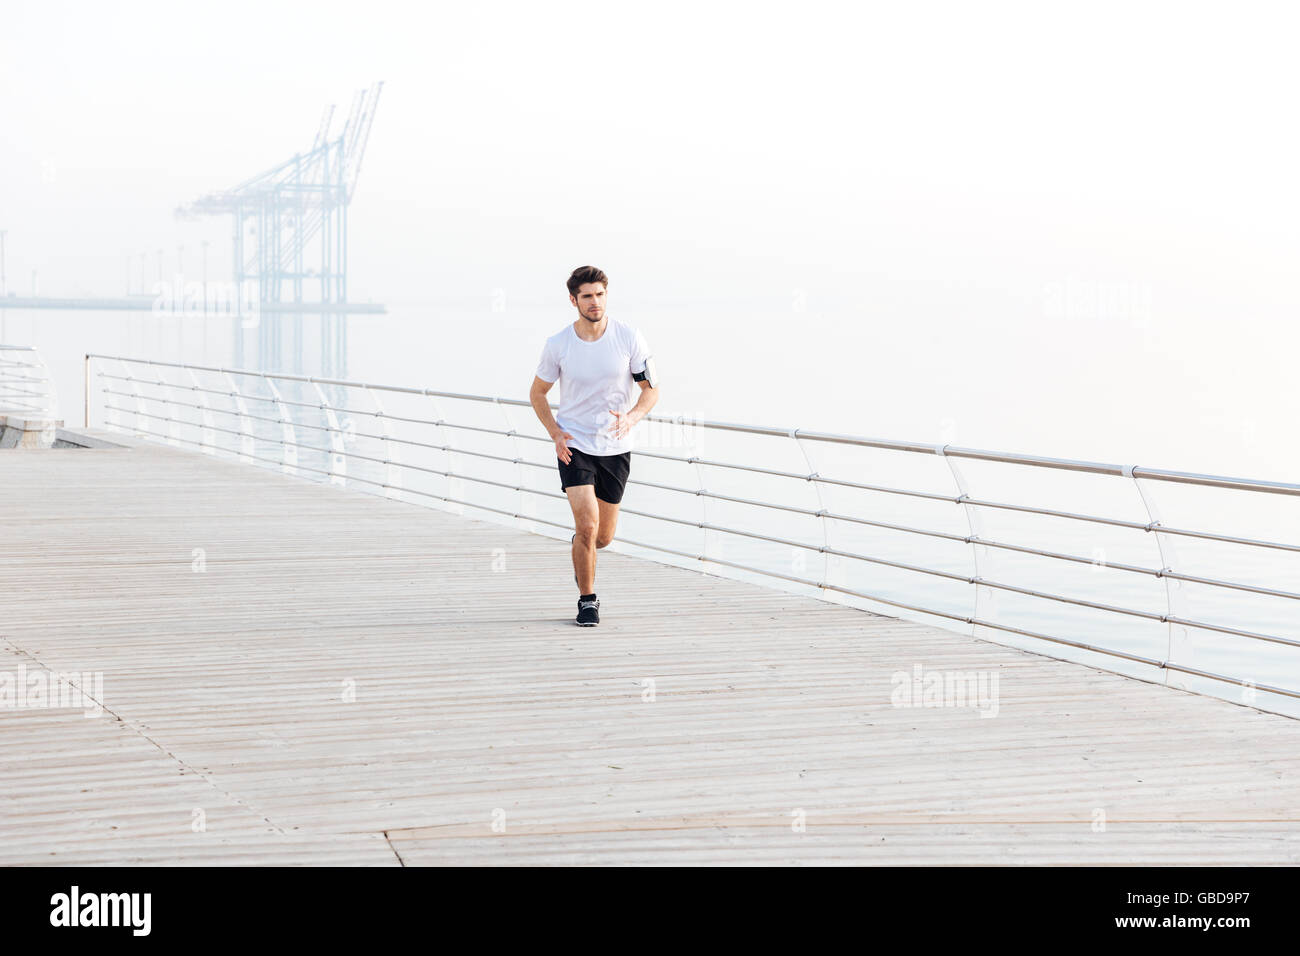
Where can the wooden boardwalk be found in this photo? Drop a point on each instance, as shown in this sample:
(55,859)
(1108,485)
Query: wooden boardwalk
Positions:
(349,681)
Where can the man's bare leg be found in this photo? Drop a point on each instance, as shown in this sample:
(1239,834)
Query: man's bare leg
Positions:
(594,523)
(586,525)
(608,523)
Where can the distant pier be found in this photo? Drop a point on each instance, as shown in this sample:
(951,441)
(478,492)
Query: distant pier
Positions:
(146,304)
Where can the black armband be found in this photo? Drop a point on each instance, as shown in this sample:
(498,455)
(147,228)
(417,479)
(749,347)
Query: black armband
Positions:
(649,376)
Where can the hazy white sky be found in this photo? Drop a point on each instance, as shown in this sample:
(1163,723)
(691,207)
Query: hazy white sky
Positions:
(1081,212)
(724,152)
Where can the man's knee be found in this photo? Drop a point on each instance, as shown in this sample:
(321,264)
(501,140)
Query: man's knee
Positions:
(604,538)
(587,532)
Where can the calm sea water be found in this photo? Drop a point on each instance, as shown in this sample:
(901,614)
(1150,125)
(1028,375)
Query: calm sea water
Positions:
(1097,396)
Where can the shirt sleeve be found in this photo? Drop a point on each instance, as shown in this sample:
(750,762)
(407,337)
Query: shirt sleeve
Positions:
(640,352)
(548,369)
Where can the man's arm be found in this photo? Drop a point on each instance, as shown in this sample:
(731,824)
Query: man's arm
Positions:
(537,398)
(623,421)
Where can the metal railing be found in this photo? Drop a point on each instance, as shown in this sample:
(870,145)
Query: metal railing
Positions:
(247,408)
(25,384)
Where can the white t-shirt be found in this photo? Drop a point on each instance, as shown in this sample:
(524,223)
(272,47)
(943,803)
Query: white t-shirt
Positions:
(595,377)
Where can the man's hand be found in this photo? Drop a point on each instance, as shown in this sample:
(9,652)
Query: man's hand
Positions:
(623,422)
(562,447)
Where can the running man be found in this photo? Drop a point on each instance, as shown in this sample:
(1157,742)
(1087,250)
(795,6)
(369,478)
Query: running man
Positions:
(597,361)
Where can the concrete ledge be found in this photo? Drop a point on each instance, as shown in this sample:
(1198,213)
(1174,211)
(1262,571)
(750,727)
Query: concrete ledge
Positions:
(20,431)
(64,438)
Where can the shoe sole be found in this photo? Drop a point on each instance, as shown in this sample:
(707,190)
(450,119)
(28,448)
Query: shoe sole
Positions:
(586,623)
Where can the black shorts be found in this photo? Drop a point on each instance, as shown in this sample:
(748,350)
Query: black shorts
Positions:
(607,472)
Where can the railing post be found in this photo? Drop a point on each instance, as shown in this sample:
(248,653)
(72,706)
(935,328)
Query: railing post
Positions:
(519,468)
(205,416)
(165,402)
(135,393)
(338,458)
(112,417)
(704,502)
(247,443)
(821,510)
(1173,587)
(974,526)
(440,423)
(392,463)
(289,440)
(85,422)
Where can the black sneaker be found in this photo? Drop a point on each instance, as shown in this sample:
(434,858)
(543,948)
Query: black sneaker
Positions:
(588,612)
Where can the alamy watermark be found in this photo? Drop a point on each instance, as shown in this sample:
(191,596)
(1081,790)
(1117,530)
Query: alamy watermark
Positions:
(78,909)
(221,300)
(679,433)
(41,689)
(1098,300)
(938,688)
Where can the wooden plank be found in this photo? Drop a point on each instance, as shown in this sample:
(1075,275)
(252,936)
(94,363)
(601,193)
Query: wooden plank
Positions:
(351,679)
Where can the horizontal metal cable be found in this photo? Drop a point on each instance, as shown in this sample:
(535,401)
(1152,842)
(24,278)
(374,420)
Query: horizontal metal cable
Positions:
(689,460)
(960,499)
(331,451)
(319,406)
(1038,461)
(953,537)
(973,580)
(965,539)
(9,377)
(822,549)
(975,539)
(289,421)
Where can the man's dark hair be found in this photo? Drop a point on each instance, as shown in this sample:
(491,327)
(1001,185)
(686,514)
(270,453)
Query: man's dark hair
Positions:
(584,274)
